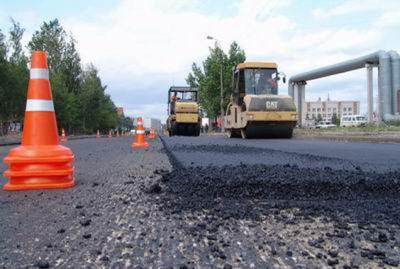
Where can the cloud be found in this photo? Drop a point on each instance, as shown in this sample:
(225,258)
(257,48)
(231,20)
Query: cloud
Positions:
(147,110)
(143,47)
(389,19)
(355,6)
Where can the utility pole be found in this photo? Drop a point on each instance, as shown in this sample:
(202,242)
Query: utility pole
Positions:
(221,82)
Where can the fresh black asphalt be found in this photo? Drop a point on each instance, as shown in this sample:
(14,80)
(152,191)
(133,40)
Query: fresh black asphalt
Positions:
(211,202)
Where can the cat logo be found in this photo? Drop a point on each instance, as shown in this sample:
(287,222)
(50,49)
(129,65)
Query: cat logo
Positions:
(272,105)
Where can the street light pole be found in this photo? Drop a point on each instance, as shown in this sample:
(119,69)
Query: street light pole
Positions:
(221,83)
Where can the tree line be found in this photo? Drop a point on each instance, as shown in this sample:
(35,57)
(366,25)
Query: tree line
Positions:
(207,77)
(80,100)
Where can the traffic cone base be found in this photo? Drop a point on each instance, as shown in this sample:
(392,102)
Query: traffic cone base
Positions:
(39,167)
(152,134)
(142,145)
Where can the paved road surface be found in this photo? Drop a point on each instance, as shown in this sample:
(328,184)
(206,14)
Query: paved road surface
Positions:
(217,150)
(211,202)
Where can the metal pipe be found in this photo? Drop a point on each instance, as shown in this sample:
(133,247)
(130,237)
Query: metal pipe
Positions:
(385,76)
(370,95)
(395,61)
(385,83)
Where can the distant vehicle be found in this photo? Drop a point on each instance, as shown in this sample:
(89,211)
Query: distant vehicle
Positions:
(183,111)
(325,125)
(353,121)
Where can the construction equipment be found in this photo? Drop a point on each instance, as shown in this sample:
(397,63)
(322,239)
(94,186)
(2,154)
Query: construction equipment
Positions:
(255,108)
(183,110)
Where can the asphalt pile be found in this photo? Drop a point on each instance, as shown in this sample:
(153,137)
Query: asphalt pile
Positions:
(289,216)
(283,215)
(280,182)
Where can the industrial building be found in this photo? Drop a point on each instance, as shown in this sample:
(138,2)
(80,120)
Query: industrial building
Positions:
(329,107)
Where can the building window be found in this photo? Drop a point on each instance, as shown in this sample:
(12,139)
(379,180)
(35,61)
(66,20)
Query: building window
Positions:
(329,109)
(318,109)
(313,109)
(349,109)
(334,110)
(344,109)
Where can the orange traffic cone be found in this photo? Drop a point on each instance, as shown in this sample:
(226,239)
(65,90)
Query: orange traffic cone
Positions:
(63,137)
(40,162)
(109,134)
(152,134)
(139,136)
(98,134)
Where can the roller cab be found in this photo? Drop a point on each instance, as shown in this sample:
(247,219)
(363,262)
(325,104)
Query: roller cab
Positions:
(183,110)
(255,109)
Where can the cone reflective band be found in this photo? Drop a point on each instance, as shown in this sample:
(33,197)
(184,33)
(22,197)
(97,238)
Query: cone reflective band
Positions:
(39,105)
(40,162)
(39,73)
(139,136)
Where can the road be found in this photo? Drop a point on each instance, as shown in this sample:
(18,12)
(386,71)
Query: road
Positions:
(211,202)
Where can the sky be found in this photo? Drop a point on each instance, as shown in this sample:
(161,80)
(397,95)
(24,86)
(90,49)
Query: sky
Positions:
(141,48)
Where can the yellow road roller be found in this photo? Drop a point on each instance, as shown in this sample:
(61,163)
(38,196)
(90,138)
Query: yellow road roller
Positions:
(183,111)
(256,110)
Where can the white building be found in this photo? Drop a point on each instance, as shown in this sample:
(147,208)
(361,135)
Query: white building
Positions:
(327,108)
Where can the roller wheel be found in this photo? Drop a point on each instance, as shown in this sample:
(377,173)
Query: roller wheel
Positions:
(232,133)
(174,129)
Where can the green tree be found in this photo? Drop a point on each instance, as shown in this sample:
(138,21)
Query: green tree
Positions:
(18,69)
(62,56)
(16,34)
(14,77)
(207,77)
(319,118)
(65,104)
(97,109)
(65,70)
(3,47)
(80,101)
(335,119)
